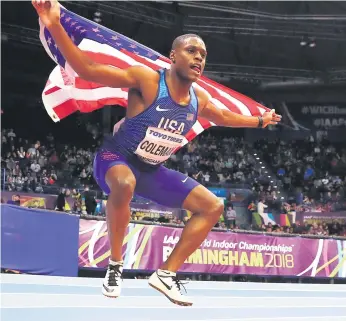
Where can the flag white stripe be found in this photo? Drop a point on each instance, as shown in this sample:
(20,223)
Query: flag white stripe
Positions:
(218,103)
(262,110)
(197,127)
(185,141)
(56,79)
(96,47)
(59,97)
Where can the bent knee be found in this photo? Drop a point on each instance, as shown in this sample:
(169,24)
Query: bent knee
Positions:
(216,208)
(122,191)
(125,185)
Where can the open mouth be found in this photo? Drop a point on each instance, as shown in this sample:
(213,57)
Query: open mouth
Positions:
(196,68)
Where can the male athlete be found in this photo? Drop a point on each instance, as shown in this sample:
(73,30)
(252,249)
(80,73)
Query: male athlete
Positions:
(162,108)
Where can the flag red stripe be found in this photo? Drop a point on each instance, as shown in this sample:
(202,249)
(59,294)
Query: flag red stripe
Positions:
(66,108)
(52,90)
(204,122)
(190,135)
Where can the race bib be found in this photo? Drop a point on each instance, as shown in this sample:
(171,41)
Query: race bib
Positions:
(158,145)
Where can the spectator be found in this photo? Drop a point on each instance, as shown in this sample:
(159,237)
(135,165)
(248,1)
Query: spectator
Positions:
(60,202)
(15,200)
(260,208)
(230,215)
(90,202)
(77,201)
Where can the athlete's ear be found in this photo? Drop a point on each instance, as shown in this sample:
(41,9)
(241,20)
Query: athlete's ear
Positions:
(172,56)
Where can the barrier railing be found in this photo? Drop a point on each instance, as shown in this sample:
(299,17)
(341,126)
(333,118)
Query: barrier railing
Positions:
(36,233)
(237,253)
(215,229)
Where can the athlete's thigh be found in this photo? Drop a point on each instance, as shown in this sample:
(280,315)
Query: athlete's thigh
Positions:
(111,168)
(165,186)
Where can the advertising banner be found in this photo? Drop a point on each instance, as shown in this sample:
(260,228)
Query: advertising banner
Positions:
(146,247)
(39,241)
(299,218)
(274,219)
(322,217)
(321,119)
(319,116)
(314,117)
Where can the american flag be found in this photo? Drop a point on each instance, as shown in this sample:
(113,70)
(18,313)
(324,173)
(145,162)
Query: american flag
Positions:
(66,93)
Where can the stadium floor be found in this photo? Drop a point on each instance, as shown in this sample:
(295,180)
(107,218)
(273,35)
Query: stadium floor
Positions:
(42,298)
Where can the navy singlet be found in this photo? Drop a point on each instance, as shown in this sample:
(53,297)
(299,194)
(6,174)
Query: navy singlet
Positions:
(153,135)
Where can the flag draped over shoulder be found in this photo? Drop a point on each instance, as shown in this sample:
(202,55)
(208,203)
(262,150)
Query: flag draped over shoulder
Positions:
(66,93)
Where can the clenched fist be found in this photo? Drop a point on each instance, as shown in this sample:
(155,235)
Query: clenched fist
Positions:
(48,11)
(270,118)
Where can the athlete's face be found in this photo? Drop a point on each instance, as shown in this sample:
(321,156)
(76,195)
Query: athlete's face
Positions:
(189,58)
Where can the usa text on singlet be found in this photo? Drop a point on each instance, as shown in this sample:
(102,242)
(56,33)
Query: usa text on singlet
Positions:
(158,145)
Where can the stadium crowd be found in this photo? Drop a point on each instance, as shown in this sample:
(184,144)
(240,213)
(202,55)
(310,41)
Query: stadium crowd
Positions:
(31,166)
(310,173)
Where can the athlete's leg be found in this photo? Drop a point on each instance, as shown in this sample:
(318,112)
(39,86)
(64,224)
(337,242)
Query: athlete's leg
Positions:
(117,179)
(176,190)
(207,209)
(121,182)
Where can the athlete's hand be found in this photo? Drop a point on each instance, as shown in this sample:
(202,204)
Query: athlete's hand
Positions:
(48,11)
(270,118)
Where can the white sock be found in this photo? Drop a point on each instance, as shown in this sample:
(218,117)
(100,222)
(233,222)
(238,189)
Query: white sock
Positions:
(167,272)
(116,263)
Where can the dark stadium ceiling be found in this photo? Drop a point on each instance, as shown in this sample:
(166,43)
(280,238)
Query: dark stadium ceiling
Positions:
(262,43)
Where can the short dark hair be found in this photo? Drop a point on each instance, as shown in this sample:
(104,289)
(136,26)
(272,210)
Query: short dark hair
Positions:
(179,40)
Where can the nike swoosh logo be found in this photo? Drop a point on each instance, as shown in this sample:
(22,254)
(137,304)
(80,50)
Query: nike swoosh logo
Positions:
(185,180)
(160,109)
(108,289)
(166,285)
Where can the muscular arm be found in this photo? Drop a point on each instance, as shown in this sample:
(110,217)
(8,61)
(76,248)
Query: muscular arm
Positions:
(227,118)
(223,117)
(89,70)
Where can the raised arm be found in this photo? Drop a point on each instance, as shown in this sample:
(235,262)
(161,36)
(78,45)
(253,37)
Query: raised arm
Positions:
(85,67)
(223,117)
